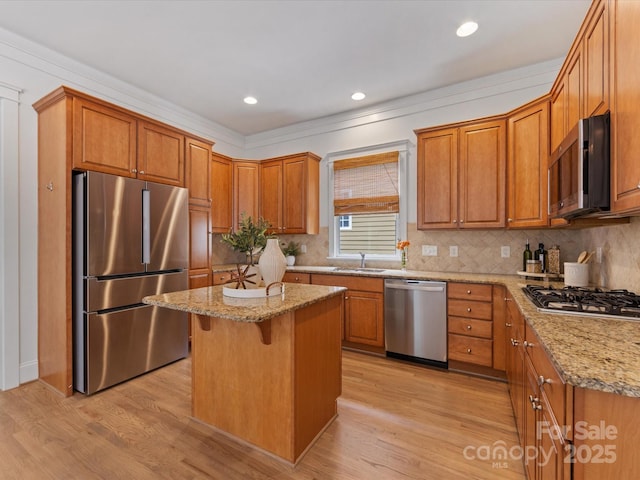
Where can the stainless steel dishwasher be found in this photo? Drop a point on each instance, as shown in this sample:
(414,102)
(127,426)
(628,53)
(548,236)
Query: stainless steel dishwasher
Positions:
(415,319)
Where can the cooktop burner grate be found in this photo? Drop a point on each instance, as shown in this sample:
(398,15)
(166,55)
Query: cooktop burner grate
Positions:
(586,301)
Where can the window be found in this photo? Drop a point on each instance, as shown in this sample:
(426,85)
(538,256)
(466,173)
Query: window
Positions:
(369,208)
(344,222)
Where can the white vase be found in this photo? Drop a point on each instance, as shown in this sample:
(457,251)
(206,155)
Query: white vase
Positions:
(272,262)
(291,260)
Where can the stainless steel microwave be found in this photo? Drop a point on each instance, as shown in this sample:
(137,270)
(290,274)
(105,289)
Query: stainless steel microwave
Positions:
(579,173)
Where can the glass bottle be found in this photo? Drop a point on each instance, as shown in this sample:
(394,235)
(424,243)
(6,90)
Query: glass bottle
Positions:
(526,255)
(541,254)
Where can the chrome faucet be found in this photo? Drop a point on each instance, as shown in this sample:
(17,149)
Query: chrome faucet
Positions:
(362,260)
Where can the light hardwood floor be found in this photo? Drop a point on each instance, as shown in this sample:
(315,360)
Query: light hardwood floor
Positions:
(395,421)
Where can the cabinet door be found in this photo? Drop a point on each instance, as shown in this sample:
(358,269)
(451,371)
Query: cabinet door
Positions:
(271,194)
(246,182)
(438,179)
(221,196)
(625,114)
(574,94)
(160,154)
(294,197)
(104,139)
(528,153)
(199,255)
(596,62)
(197,172)
(558,115)
(481,175)
(364,318)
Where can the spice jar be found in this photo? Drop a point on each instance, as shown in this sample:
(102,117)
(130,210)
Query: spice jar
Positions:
(553,260)
(534,266)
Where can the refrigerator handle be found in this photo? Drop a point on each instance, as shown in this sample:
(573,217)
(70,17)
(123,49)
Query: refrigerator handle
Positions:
(146,226)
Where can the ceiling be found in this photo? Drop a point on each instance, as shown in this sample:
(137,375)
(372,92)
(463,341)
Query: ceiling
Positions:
(301,59)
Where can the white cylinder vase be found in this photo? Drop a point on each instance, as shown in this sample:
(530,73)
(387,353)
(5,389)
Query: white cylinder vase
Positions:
(272,262)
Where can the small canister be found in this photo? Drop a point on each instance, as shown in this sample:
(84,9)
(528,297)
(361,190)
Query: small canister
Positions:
(553,260)
(534,266)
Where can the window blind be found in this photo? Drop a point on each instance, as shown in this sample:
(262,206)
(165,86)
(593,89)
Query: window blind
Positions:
(366,185)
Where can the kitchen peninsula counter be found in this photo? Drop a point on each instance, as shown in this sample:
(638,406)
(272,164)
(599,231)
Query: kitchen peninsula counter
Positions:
(265,370)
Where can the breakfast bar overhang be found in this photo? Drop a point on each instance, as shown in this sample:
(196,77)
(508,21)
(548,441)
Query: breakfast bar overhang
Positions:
(265,370)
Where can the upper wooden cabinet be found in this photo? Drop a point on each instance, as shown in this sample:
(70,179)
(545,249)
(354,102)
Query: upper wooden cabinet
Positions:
(527,164)
(289,193)
(625,111)
(246,185)
(582,87)
(221,193)
(160,154)
(461,175)
(103,139)
(198,165)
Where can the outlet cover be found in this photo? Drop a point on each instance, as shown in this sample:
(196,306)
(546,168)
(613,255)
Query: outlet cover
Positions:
(430,250)
(453,251)
(505,251)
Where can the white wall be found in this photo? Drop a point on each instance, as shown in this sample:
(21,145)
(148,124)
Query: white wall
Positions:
(37,71)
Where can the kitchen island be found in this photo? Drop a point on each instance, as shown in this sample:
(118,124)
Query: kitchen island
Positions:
(265,370)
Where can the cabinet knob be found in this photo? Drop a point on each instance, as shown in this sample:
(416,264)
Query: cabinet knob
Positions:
(134,170)
(455,221)
(542,380)
(297,279)
(528,344)
(638,185)
(509,220)
(514,342)
(469,309)
(141,172)
(461,221)
(468,350)
(468,327)
(468,292)
(507,324)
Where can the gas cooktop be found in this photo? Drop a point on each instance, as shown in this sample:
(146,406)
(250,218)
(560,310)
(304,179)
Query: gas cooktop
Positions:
(620,304)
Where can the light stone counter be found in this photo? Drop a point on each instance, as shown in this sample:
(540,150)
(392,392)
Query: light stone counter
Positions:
(588,352)
(211,302)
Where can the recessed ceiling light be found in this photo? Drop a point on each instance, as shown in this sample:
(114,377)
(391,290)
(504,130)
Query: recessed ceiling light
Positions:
(250,100)
(358,96)
(467,29)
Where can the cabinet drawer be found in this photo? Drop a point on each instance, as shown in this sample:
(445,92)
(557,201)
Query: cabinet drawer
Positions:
(470,309)
(296,277)
(352,282)
(547,376)
(470,327)
(470,291)
(470,350)
(220,278)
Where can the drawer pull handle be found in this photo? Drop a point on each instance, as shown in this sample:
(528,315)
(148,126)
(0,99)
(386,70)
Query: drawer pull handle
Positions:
(468,327)
(542,380)
(468,350)
(528,344)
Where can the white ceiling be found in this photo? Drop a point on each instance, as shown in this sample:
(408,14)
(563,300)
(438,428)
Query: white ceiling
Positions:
(301,59)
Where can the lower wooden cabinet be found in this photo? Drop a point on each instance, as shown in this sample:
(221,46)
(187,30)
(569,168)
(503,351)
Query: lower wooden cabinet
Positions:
(296,277)
(363,310)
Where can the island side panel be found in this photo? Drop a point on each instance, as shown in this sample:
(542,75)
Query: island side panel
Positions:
(318,369)
(242,386)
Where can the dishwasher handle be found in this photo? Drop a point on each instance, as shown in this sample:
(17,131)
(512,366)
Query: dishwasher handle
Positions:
(415,286)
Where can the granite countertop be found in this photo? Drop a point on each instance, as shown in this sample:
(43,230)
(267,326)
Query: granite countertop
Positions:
(211,301)
(588,352)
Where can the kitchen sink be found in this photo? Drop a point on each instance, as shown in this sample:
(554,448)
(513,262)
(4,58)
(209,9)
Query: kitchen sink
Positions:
(358,269)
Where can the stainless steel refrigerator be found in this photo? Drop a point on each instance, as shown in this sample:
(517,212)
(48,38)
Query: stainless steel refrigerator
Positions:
(130,240)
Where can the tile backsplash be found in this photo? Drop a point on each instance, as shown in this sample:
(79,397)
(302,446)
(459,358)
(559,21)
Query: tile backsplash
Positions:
(479,251)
